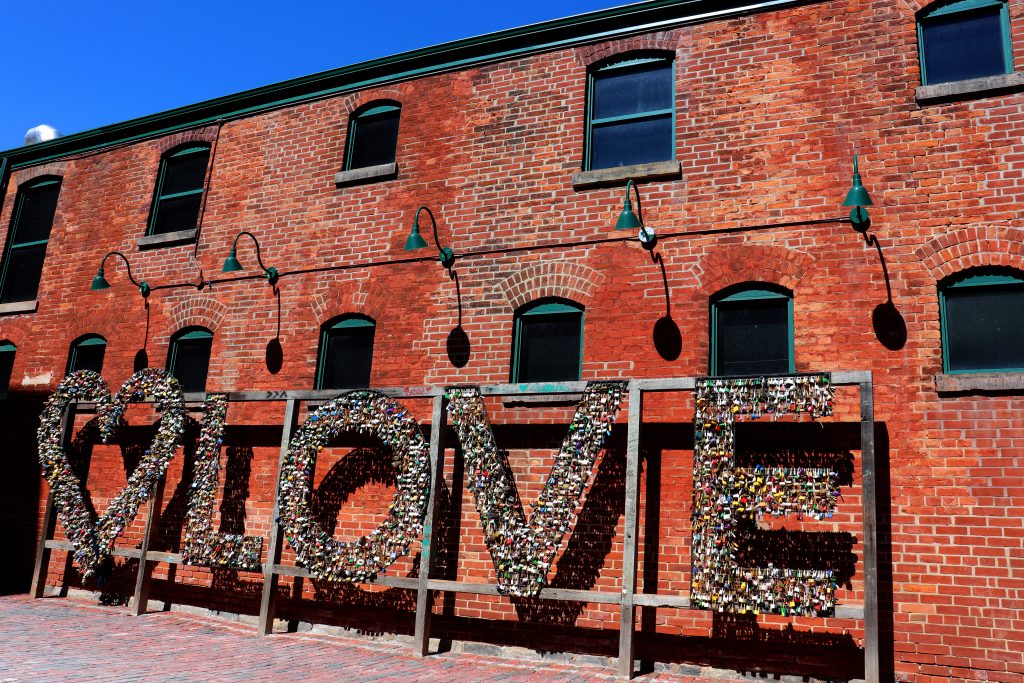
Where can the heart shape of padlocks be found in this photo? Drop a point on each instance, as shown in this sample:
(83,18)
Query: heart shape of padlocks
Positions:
(93,539)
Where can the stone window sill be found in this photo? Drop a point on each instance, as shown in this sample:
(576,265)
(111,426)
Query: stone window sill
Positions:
(969,89)
(370,174)
(979,381)
(659,170)
(19,307)
(167,239)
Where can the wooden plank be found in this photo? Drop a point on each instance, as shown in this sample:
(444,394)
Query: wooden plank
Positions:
(67,427)
(596,597)
(844,377)
(424,596)
(166,558)
(60,545)
(872,651)
(131,553)
(667,384)
(140,599)
(407,582)
(268,599)
(531,388)
(653,600)
(627,611)
(849,612)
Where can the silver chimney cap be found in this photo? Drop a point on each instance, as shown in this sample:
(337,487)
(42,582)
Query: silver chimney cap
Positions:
(41,133)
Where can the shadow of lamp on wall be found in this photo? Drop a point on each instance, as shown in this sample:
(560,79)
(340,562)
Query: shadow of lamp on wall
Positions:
(668,340)
(889,326)
(274,353)
(457,344)
(100,283)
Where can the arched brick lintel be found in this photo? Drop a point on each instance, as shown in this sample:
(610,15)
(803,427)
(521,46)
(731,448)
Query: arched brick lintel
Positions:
(733,265)
(970,247)
(572,281)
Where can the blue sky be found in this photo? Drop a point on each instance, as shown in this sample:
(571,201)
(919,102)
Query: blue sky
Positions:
(80,65)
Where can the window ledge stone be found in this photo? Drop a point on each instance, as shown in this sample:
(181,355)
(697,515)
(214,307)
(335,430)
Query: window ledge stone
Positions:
(167,239)
(369,174)
(658,170)
(974,87)
(19,307)
(979,381)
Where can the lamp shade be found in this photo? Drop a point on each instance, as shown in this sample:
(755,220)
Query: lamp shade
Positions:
(858,194)
(415,239)
(231,263)
(99,282)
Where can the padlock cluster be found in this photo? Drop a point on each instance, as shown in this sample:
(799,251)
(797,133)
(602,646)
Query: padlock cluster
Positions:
(365,412)
(93,540)
(523,550)
(203,546)
(728,498)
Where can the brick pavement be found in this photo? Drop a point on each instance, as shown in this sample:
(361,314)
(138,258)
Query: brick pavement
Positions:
(71,640)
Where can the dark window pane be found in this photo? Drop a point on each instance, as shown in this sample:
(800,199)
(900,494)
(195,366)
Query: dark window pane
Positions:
(620,92)
(374,140)
(190,363)
(24,270)
(180,213)
(631,142)
(87,357)
(184,173)
(35,215)
(984,327)
(753,337)
(963,45)
(549,347)
(347,358)
(6,366)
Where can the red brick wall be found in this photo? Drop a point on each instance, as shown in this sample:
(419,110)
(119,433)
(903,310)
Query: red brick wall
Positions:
(770,108)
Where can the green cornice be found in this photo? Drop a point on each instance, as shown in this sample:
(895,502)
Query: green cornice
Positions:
(560,33)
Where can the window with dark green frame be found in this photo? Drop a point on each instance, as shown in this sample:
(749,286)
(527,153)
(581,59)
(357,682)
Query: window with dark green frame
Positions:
(87,353)
(964,39)
(179,190)
(346,353)
(982,322)
(630,112)
(547,345)
(189,358)
(7,351)
(29,233)
(752,331)
(373,136)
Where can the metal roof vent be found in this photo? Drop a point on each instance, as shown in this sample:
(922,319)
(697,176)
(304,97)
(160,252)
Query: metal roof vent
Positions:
(41,133)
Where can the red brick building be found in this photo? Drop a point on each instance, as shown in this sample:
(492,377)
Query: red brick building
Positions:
(738,123)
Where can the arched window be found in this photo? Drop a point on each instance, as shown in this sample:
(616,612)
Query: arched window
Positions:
(87,353)
(373,135)
(179,189)
(548,341)
(189,357)
(630,112)
(29,233)
(964,39)
(752,330)
(7,351)
(346,353)
(982,325)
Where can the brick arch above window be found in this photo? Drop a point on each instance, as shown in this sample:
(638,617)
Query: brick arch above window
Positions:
(565,280)
(663,41)
(348,298)
(971,247)
(725,267)
(200,135)
(56,169)
(195,311)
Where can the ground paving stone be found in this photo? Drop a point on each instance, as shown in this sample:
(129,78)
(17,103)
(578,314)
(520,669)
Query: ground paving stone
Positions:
(58,639)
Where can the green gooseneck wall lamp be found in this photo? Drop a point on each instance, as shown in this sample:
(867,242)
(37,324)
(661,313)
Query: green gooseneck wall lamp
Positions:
(99,282)
(415,240)
(858,198)
(231,264)
(630,221)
